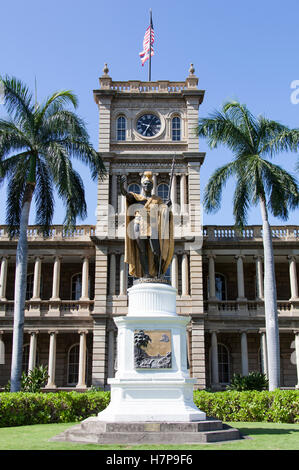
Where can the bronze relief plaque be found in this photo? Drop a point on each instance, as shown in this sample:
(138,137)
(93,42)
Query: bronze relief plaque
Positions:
(152,349)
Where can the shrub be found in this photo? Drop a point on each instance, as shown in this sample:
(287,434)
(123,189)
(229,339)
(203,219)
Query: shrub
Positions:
(33,381)
(23,408)
(20,408)
(252,381)
(280,406)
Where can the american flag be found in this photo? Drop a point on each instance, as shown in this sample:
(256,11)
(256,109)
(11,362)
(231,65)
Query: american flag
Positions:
(144,55)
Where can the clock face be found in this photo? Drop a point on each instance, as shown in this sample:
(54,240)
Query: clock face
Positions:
(148,125)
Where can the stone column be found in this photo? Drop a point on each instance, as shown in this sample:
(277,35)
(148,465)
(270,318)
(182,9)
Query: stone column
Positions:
(214,359)
(2,348)
(32,350)
(123,201)
(297,356)
(111,355)
(240,274)
(293,278)
(197,353)
(173,195)
(264,355)
(37,278)
(259,278)
(112,274)
(123,276)
(85,278)
(52,360)
(183,194)
(114,191)
(244,353)
(185,275)
(155,175)
(212,285)
(174,272)
(99,352)
(82,360)
(56,279)
(3,278)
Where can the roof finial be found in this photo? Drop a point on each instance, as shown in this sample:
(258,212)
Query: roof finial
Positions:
(191,70)
(105,69)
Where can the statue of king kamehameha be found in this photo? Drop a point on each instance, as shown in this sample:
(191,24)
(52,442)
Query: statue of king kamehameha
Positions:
(149,242)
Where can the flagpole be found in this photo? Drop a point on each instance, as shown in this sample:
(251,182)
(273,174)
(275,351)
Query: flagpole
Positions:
(150,49)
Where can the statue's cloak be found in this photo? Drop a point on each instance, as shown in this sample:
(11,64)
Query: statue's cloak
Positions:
(154,218)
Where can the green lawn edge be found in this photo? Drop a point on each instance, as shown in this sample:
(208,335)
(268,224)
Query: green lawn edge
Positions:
(257,436)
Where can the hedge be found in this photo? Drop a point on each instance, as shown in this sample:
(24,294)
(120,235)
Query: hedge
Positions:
(23,408)
(279,406)
(18,409)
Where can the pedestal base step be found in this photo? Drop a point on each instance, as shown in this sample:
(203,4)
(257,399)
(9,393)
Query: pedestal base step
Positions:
(94,431)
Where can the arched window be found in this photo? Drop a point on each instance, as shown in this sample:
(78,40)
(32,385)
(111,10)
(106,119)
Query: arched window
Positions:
(29,288)
(134,188)
(163,191)
(176,128)
(76,286)
(223,363)
(121,128)
(73,365)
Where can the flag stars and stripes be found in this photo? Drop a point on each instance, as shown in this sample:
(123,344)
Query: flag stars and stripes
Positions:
(147,44)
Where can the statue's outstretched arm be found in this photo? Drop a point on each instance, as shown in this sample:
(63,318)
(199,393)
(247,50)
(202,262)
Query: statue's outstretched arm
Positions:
(124,191)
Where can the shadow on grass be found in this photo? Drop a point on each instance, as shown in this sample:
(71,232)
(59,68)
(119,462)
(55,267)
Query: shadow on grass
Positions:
(259,431)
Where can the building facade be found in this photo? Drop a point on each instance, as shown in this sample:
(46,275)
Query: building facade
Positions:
(77,281)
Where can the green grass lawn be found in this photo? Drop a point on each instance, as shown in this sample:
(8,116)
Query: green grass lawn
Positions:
(259,436)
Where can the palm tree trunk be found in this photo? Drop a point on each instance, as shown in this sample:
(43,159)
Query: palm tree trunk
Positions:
(20,293)
(270,299)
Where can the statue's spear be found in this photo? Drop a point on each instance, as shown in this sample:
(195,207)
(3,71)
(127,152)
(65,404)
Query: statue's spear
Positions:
(168,198)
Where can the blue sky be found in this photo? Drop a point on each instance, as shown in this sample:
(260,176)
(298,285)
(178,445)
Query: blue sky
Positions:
(241,50)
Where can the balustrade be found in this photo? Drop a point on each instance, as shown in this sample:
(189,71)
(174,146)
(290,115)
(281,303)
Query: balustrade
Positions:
(80,232)
(227,232)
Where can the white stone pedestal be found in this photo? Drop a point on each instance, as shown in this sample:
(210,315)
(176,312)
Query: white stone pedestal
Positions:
(152,394)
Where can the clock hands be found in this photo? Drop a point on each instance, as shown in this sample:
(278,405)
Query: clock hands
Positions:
(148,125)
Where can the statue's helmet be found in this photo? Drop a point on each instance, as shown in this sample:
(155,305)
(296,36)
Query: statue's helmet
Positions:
(147,175)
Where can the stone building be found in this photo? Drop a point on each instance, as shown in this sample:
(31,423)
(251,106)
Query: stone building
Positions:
(77,281)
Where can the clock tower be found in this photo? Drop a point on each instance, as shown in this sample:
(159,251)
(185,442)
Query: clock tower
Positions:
(143,126)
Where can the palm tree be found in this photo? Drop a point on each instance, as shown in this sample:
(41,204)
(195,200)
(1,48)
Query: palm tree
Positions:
(37,143)
(258,181)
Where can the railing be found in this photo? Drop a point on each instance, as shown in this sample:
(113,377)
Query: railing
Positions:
(252,232)
(56,232)
(143,87)
(210,233)
(47,307)
(251,307)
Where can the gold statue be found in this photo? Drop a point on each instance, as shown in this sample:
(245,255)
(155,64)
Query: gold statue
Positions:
(149,242)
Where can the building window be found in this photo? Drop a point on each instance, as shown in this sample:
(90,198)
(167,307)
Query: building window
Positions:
(73,365)
(76,287)
(176,128)
(134,188)
(223,363)
(167,275)
(29,288)
(220,287)
(163,191)
(25,357)
(121,128)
